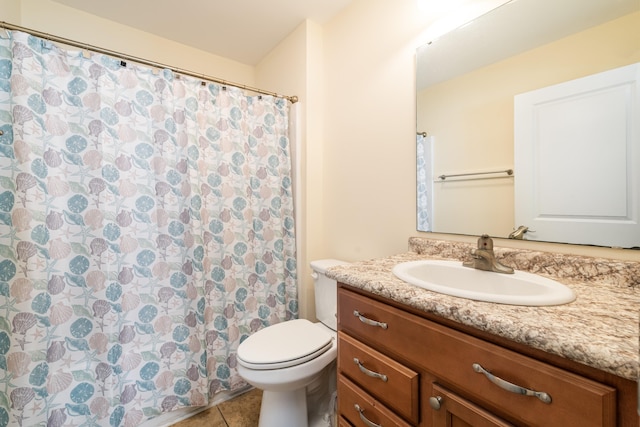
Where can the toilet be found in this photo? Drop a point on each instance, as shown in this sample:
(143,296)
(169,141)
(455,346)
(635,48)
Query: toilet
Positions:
(294,361)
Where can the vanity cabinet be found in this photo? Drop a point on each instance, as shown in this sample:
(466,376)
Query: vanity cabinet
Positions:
(397,368)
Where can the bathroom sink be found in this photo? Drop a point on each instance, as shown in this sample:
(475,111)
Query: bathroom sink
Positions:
(451,278)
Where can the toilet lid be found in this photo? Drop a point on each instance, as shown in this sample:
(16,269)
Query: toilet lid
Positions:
(283,345)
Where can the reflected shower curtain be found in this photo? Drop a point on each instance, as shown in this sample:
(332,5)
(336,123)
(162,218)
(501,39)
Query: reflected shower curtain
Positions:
(146,229)
(424,182)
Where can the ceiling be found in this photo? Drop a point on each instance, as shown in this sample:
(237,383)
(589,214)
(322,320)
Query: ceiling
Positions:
(241,30)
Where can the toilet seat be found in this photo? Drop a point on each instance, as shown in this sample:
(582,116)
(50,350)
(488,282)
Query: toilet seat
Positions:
(284,345)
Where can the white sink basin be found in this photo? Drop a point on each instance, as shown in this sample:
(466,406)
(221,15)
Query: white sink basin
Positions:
(451,278)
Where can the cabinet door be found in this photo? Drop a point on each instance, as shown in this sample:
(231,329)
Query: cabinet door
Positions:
(451,410)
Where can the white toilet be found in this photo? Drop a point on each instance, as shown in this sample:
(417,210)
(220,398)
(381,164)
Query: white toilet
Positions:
(288,359)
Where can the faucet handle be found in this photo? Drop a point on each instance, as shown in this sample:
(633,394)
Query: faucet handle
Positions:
(520,232)
(485,242)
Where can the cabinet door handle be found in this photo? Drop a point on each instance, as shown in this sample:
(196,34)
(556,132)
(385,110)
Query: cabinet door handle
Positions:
(364,419)
(369,321)
(435,402)
(369,372)
(513,388)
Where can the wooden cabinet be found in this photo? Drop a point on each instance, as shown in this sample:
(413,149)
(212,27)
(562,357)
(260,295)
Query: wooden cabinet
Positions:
(451,410)
(400,369)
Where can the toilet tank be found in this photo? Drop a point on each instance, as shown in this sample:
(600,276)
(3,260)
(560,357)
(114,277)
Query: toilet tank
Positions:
(326,291)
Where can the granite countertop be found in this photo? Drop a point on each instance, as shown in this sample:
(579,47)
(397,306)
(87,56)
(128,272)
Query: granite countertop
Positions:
(599,329)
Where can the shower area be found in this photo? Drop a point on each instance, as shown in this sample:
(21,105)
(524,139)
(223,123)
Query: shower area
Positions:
(146,229)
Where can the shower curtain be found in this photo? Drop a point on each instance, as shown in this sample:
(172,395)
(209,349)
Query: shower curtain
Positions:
(146,229)
(424,182)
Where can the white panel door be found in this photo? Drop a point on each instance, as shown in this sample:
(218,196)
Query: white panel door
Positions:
(577,160)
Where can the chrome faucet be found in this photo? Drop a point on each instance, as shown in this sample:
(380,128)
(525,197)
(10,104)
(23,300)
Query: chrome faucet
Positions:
(485,259)
(519,232)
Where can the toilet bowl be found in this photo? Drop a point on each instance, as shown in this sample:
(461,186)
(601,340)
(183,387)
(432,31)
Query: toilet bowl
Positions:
(284,382)
(285,358)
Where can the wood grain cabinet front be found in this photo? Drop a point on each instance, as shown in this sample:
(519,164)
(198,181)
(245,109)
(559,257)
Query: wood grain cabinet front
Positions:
(344,423)
(525,390)
(363,410)
(387,380)
(451,410)
(425,374)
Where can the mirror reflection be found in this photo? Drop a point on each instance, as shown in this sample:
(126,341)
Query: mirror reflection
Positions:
(466,84)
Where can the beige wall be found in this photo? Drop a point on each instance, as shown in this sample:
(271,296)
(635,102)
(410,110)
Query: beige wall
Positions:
(294,67)
(10,11)
(369,186)
(63,21)
(356,82)
(369,154)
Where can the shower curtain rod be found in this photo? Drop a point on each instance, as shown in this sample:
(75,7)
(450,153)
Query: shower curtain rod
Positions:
(293,99)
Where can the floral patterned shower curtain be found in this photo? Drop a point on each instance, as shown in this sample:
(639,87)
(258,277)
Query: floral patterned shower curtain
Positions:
(424,193)
(146,229)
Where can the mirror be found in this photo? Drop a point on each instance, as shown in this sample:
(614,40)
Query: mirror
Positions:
(466,81)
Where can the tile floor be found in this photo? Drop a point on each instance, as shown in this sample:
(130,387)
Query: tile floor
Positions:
(241,411)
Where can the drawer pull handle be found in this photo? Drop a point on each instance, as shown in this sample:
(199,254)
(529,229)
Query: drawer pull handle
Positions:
(513,388)
(363,418)
(369,372)
(369,321)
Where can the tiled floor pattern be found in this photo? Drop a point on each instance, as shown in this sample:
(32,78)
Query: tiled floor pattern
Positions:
(241,411)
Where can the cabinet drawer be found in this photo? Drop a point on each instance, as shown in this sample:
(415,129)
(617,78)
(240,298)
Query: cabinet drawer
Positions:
(387,380)
(574,400)
(361,409)
(380,325)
